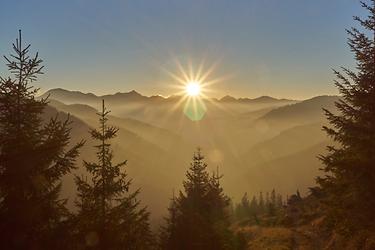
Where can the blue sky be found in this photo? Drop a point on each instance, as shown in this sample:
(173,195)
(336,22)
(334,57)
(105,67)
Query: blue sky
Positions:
(282,48)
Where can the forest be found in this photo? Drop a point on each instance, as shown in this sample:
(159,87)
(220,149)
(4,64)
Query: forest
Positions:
(83,171)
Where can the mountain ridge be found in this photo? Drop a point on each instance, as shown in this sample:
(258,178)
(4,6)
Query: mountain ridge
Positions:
(71,96)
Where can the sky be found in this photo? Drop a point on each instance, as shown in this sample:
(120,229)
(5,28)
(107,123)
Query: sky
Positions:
(280,48)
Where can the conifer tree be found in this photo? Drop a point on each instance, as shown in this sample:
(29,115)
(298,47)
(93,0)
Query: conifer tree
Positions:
(273,197)
(272,203)
(350,165)
(167,237)
(109,216)
(219,217)
(254,205)
(202,218)
(279,201)
(243,208)
(261,203)
(33,158)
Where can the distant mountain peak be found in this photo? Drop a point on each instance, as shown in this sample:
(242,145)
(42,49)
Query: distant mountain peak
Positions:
(266,97)
(133,92)
(65,91)
(228,98)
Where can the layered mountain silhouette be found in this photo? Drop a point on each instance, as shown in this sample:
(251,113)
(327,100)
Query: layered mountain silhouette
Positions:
(254,142)
(71,97)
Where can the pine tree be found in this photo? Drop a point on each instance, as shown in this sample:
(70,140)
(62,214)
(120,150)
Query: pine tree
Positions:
(167,237)
(272,203)
(279,201)
(33,158)
(109,216)
(273,197)
(201,212)
(243,209)
(261,203)
(219,216)
(267,202)
(254,205)
(350,165)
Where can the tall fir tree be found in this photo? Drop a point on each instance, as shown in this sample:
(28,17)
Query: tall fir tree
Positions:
(350,165)
(254,205)
(33,158)
(167,237)
(219,217)
(243,208)
(201,212)
(261,203)
(279,201)
(272,203)
(109,215)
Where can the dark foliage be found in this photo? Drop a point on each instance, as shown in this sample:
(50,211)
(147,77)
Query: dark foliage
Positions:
(33,158)
(199,216)
(349,184)
(109,215)
(252,212)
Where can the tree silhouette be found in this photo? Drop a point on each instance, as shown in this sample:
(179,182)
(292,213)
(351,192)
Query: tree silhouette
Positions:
(33,158)
(200,214)
(167,237)
(350,165)
(109,216)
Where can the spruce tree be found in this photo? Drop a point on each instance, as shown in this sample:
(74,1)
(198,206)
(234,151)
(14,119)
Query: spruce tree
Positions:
(254,205)
(243,208)
(167,237)
(219,217)
(279,201)
(109,215)
(261,203)
(33,158)
(272,203)
(245,203)
(201,212)
(350,165)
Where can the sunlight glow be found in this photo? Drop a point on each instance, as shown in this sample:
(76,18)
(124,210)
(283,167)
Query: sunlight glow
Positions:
(193,85)
(193,88)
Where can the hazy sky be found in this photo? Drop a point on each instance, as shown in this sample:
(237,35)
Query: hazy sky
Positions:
(282,48)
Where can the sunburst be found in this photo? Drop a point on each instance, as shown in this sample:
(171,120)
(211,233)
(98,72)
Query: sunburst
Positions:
(194,85)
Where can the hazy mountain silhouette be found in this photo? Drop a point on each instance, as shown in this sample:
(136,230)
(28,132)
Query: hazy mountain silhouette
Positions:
(288,142)
(303,112)
(70,97)
(247,138)
(288,173)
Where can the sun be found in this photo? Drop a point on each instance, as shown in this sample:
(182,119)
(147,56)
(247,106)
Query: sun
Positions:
(193,88)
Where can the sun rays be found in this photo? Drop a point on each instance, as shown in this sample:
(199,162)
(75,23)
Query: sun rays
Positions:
(193,85)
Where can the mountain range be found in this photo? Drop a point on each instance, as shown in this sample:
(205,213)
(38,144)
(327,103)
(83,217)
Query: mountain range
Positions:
(258,144)
(133,96)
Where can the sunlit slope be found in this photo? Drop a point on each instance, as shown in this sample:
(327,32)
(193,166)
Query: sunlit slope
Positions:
(304,112)
(288,173)
(279,119)
(287,142)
